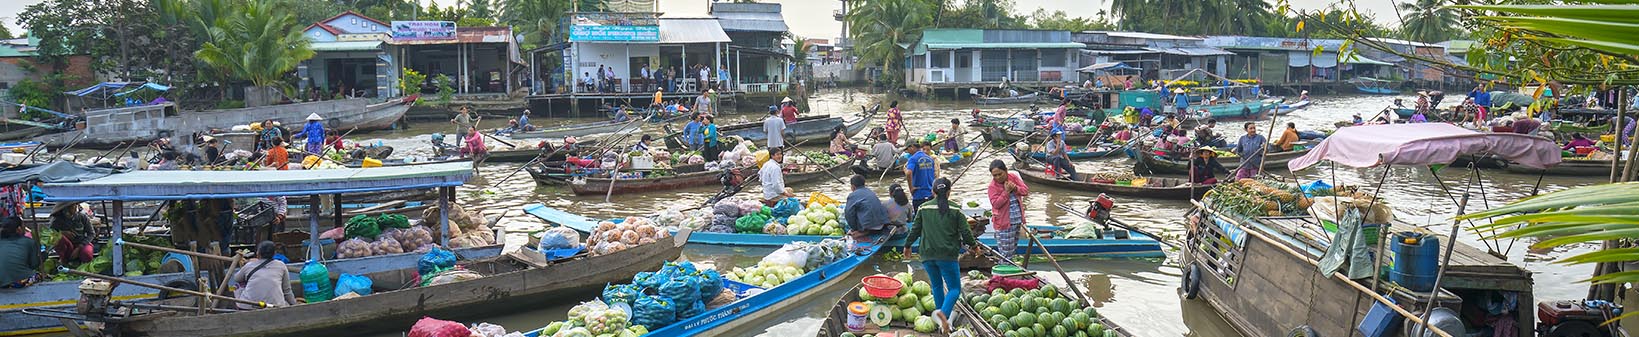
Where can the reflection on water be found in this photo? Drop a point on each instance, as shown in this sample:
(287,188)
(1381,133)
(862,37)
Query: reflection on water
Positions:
(1138,294)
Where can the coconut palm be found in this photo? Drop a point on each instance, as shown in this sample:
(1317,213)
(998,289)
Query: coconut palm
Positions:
(882,28)
(257,43)
(1428,21)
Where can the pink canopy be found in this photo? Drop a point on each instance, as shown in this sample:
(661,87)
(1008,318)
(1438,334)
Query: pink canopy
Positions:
(1425,144)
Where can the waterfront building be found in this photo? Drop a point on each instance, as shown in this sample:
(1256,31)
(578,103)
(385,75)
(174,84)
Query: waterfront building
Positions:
(953,60)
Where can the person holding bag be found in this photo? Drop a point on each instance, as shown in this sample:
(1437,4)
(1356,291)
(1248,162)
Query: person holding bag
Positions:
(1006,193)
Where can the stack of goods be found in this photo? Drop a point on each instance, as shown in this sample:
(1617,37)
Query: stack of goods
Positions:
(1118,179)
(656,299)
(610,237)
(811,161)
(1036,312)
(438,266)
(469,230)
(734,215)
(913,306)
(817,219)
(559,238)
(672,219)
(138,261)
(1254,198)
(366,236)
(688,158)
(790,262)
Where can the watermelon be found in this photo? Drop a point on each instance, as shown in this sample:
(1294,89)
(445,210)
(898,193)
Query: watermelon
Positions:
(1027,303)
(921,288)
(1016,292)
(1082,320)
(997,292)
(1004,326)
(1024,319)
(846,334)
(906,301)
(1042,302)
(996,301)
(977,300)
(997,319)
(990,311)
(1060,305)
(1010,333)
(1049,291)
(1041,330)
(1060,331)
(1109,333)
(1026,332)
(1069,323)
(1082,334)
(925,324)
(1010,308)
(1095,328)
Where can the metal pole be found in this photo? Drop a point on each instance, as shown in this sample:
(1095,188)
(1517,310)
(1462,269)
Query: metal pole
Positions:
(444,216)
(1451,243)
(118,235)
(1621,114)
(315,251)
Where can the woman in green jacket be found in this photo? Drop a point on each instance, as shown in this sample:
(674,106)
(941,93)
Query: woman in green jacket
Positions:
(944,233)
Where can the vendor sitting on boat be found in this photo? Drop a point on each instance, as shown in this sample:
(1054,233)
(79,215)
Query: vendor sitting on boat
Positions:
(840,143)
(884,153)
(19,254)
(474,144)
(1577,140)
(642,144)
(1303,96)
(264,280)
(1204,168)
(773,177)
(1206,136)
(74,232)
(863,210)
(953,138)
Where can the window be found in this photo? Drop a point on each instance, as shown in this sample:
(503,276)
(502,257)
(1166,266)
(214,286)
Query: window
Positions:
(1024,65)
(1052,57)
(964,60)
(993,65)
(941,59)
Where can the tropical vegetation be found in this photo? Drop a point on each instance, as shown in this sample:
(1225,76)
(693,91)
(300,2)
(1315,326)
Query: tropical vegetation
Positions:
(258,42)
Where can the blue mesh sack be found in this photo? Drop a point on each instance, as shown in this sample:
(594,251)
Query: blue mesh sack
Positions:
(621,293)
(654,312)
(681,289)
(693,310)
(435,260)
(711,283)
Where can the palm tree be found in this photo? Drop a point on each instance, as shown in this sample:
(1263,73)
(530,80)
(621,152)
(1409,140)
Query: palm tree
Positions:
(1428,21)
(258,43)
(880,28)
(536,19)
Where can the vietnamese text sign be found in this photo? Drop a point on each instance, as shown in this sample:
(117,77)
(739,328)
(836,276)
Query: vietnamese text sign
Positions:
(423,30)
(614,33)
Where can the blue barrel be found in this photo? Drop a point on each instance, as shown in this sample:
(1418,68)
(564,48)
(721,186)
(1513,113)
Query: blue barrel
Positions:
(1416,261)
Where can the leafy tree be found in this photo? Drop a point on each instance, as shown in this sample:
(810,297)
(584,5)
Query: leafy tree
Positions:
(474,22)
(259,43)
(5,33)
(537,20)
(411,83)
(1058,20)
(1199,17)
(446,90)
(988,14)
(480,9)
(1428,21)
(311,11)
(881,27)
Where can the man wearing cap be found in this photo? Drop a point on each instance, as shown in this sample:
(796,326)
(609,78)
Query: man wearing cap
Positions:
(314,130)
(789,112)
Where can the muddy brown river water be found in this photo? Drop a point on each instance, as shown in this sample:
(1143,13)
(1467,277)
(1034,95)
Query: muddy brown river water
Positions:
(1139,294)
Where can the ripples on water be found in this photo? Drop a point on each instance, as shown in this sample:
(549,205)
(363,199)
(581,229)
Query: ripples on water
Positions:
(1139,294)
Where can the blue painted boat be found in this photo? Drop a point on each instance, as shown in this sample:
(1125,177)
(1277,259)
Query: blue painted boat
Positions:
(1284,109)
(751,310)
(586,225)
(1367,85)
(1102,152)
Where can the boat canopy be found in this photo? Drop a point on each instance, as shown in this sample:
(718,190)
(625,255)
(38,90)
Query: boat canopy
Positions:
(186,185)
(1106,66)
(146,85)
(1425,144)
(55,172)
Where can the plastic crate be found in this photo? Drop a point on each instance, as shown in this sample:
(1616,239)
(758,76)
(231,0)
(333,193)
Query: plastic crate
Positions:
(741,290)
(561,253)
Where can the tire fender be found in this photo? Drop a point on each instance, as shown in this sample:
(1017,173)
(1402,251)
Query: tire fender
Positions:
(1192,282)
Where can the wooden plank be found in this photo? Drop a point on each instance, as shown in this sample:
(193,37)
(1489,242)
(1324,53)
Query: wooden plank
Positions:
(392,204)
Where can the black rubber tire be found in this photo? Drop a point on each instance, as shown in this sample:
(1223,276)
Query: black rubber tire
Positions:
(1192,282)
(179,284)
(1303,331)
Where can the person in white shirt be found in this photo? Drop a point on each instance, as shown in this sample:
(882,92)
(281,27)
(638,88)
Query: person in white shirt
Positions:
(609,73)
(774,127)
(773,177)
(705,77)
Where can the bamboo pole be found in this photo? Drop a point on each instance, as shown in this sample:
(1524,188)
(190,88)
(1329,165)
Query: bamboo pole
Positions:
(160,287)
(173,250)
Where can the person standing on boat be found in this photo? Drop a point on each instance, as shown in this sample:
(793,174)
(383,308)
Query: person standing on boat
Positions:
(270,131)
(944,234)
(19,255)
(692,133)
(896,122)
(264,280)
(1251,147)
(789,112)
(863,210)
(773,176)
(710,141)
(1180,101)
(774,127)
(463,121)
(1627,129)
(1204,168)
(1288,138)
(314,130)
(1480,96)
(702,104)
(922,171)
(1006,193)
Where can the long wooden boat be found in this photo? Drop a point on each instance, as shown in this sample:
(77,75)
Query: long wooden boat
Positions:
(899,165)
(1157,188)
(1243,267)
(1367,85)
(601,185)
(586,225)
(579,130)
(836,319)
(1245,110)
(1285,109)
(1134,246)
(508,285)
(1020,99)
(986,329)
(19,129)
(1152,163)
(1011,135)
(811,128)
(1103,151)
(753,310)
(110,127)
(1568,167)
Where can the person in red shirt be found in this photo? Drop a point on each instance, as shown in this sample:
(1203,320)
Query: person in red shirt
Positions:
(789,112)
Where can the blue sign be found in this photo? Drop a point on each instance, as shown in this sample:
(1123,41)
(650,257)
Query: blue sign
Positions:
(614,33)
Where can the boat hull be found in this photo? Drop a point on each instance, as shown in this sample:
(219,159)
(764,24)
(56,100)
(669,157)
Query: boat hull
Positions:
(1151,163)
(1586,168)
(109,129)
(579,130)
(1179,190)
(1021,99)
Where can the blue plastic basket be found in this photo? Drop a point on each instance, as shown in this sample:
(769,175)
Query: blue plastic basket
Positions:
(741,290)
(561,253)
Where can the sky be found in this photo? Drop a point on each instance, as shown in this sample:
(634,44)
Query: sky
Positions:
(812,18)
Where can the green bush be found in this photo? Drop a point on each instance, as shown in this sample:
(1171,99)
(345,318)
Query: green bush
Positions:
(230,104)
(446,90)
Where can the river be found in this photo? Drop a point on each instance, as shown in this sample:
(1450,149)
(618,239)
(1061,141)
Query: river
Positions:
(1139,294)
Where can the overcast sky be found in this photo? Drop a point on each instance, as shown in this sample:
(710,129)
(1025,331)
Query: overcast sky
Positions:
(812,18)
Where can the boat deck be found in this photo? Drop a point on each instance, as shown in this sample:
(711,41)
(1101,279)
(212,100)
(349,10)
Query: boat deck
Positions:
(1470,267)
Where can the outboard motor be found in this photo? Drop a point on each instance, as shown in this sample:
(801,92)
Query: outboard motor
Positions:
(1576,318)
(1099,211)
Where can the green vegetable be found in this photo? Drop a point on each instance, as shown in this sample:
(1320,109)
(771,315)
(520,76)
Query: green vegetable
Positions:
(362,226)
(393,221)
(925,324)
(552,329)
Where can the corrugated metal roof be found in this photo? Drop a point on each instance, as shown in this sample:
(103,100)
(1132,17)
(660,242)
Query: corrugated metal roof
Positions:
(181,185)
(1191,51)
(1019,45)
(750,17)
(691,31)
(347,46)
(1356,58)
(959,38)
(1457,46)
(1147,36)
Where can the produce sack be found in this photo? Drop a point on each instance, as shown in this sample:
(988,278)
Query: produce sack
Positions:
(786,208)
(654,312)
(349,283)
(435,260)
(415,238)
(386,246)
(1010,283)
(711,282)
(556,240)
(648,279)
(316,283)
(681,289)
(393,221)
(355,247)
(621,293)
(693,310)
(432,327)
(362,226)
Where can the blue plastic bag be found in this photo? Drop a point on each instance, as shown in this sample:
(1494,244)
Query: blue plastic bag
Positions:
(349,283)
(1312,187)
(435,260)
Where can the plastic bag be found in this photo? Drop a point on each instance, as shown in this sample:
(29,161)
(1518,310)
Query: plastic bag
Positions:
(362,226)
(354,247)
(432,327)
(790,255)
(393,221)
(694,309)
(349,283)
(435,260)
(681,289)
(711,282)
(621,293)
(654,312)
(556,240)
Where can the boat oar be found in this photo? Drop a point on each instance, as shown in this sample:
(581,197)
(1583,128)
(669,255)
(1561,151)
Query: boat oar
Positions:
(1118,223)
(160,287)
(105,153)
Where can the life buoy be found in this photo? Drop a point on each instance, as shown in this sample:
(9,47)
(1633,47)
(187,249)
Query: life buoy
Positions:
(1192,282)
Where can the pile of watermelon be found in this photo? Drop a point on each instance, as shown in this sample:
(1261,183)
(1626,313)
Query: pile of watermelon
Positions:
(914,304)
(1037,313)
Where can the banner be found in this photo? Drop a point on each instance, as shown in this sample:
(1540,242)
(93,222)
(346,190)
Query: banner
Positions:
(614,33)
(423,30)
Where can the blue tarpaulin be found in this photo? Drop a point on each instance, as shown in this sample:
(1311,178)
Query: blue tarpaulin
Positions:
(186,185)
(149,86)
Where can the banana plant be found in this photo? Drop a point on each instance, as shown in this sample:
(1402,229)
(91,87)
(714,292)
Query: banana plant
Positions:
(1582,215)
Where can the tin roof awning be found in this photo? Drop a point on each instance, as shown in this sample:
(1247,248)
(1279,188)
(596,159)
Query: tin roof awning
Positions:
(186,185)
(1191,51)
(1108,66)
(1362,59)
(691,30)
(1017,45)
(339,46)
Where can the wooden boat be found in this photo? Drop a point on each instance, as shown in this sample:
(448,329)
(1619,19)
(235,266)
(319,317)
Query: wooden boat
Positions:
(681,180)
(1040,134)
(808,128)
(755,309)
(836,319)
(1020,99)
(1103,151)
(559,173)
(110,127)
(580,130)
(1285,109)
(1151,163)
(898,166)
(1156,188)
(1134,246)
(986,329)
(19,129)
(1245,110)
(508,285)
(1568,167)
(1367,85)
(586,225)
